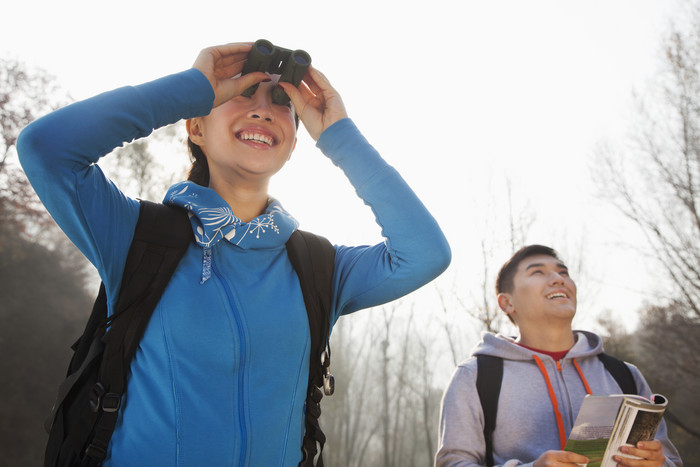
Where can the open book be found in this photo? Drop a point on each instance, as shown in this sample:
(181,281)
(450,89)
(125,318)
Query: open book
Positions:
(605,423)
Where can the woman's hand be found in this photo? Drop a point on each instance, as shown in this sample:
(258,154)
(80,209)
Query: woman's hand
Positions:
(316,102)
(221,63)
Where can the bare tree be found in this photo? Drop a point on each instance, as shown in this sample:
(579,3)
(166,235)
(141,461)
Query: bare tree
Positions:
(25,94)
(385,409)
(655,180)
(146,167)
(347,417)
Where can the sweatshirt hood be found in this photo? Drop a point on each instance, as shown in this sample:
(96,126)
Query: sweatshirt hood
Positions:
(213,220)
(505,347)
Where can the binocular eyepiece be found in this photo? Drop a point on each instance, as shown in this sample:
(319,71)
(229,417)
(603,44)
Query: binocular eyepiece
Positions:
(291,65)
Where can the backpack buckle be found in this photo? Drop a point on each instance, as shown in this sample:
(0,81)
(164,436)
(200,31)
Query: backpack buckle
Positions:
(96,396)
(111,402)
(102,400)
(328,379)
(328,383)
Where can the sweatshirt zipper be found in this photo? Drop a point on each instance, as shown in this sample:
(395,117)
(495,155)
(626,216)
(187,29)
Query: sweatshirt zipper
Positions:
(553,399)
(239,325)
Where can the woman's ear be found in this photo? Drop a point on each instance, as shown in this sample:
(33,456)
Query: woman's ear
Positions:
(293,146)
(194,130)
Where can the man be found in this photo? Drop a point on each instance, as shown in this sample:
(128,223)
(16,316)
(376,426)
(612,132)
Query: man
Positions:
(546,372)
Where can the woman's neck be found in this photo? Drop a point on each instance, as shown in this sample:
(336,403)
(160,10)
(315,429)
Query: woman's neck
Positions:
(246,202)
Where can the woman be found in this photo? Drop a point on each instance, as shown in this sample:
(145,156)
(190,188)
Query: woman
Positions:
(220,375)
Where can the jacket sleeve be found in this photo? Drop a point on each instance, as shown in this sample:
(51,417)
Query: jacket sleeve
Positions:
(673,458)
(461,430)
(415,250)
(59,153)
(460,436)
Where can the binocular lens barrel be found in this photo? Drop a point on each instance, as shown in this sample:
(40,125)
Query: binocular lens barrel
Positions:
(301,57)
(266,57)
(263,49)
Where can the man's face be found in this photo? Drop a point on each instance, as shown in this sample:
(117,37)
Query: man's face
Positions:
(542,292)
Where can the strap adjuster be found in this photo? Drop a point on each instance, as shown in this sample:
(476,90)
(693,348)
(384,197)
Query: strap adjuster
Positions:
(95,452)
(106,401)
(96,396)
(111,402)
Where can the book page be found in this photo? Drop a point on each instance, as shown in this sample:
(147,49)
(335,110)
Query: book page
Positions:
(593,427)
(604,423)
(639,424)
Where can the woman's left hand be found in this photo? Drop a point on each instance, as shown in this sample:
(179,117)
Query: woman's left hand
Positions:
(316,102)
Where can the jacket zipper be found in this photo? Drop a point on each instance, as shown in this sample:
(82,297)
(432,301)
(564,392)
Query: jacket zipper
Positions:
(239,324)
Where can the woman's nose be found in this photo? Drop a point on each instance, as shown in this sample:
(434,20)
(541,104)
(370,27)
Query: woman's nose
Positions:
(261,115)
(261,107)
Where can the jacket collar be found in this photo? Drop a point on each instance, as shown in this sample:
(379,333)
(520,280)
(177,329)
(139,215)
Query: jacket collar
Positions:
(213,220)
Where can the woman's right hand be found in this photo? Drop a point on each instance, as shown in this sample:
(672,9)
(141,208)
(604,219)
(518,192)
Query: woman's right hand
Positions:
(221,63)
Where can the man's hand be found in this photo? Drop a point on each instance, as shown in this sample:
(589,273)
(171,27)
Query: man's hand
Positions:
(560,458)
(651,454)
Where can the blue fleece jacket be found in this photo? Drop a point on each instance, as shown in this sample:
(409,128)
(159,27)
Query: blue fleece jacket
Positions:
(220,376)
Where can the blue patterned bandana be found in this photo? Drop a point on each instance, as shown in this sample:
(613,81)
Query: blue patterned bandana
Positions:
(213,220)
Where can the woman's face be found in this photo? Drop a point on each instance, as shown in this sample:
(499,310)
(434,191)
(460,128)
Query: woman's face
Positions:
(247,138)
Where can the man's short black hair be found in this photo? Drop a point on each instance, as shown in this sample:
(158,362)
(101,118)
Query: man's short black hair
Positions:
(504,280)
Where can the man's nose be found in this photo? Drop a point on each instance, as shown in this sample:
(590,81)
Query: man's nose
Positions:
(556,278)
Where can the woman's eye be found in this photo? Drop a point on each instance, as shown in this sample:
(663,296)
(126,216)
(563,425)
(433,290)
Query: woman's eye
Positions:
(287,104)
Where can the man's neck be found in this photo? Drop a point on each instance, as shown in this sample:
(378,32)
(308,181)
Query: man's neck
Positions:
(549,340)
(556,355)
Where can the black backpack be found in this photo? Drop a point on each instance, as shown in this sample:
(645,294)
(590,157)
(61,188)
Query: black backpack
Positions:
(86,410)
(489,374)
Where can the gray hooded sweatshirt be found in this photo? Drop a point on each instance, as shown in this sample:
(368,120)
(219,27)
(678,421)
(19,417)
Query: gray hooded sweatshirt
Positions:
(526,423)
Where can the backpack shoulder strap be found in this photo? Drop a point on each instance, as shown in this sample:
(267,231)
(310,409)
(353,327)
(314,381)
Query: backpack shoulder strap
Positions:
(620,371)
(489,375)
(162,235)
(313,259)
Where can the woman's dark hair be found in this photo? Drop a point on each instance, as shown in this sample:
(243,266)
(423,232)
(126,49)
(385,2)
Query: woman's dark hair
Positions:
(199,171)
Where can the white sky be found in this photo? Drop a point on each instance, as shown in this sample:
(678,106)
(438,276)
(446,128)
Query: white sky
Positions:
(458,95)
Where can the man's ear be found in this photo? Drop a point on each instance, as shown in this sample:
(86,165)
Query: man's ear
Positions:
(194,130)
(505,303)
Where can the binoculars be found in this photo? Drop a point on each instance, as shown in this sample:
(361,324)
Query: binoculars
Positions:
(291,65)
